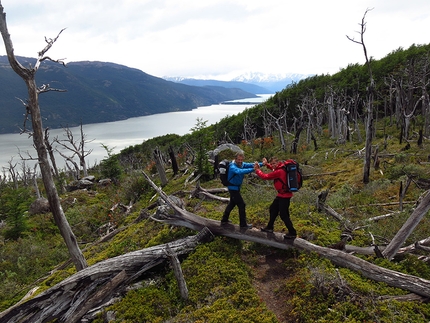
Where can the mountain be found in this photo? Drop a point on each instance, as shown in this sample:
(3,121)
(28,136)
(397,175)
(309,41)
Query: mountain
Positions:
(257,83)
(97,92)
(248,87)
(272,82)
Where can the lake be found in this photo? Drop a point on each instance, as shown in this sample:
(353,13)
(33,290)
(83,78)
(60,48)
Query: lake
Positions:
(122,134)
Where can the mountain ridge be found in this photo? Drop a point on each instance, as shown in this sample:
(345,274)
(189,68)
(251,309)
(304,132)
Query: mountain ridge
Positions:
(271,83)
(96,92)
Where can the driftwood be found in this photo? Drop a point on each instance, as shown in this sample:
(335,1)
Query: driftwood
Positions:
(182,217)
(71,299)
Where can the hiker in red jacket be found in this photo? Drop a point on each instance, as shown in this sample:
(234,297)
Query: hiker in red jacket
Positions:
(281,203)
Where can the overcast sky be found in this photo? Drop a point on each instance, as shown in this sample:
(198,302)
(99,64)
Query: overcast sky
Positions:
(217,39)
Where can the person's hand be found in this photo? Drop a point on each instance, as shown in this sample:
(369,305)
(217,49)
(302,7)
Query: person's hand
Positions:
(256,166)
(264,161)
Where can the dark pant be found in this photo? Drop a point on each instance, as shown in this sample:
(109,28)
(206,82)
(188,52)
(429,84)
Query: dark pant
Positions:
(235,199)
(281,206)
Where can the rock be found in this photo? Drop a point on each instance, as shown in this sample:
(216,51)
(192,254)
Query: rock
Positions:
(40,206)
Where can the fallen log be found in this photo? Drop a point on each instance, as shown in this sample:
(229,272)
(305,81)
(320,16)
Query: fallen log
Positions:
(72,298)
(182,217)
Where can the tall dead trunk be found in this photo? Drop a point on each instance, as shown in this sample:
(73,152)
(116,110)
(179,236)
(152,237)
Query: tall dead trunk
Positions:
(160,167)
(33,110)
(370,98)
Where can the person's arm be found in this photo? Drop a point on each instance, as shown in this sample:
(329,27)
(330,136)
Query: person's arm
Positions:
(267,164)
(269,176)
(244,170)
(249,165)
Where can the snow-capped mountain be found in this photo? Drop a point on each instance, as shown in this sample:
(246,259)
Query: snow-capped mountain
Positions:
(255,77)
(271,82)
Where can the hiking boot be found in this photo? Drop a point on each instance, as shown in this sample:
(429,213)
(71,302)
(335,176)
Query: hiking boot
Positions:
(266,229)
(246,226)
(290,236)
(226,222)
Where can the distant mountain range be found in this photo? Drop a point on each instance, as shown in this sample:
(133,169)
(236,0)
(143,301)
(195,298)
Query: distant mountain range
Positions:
(257,83)
(99,92)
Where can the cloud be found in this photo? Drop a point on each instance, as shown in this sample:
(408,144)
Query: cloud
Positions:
(217,37)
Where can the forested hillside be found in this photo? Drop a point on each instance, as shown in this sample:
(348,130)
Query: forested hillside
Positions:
(361,254)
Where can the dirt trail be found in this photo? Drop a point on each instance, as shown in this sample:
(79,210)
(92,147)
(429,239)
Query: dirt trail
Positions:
(269,276)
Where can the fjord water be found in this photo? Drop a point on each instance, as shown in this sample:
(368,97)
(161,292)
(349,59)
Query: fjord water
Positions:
(121,134)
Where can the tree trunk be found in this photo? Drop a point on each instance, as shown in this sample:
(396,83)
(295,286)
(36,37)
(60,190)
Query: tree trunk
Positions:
(160,167)
(407,228)
(71,299)
(174,162)
(28,75)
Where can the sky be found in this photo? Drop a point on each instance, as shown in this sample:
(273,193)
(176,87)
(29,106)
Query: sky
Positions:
(217,39)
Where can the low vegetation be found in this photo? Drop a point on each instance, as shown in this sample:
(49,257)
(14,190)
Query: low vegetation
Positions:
(221,275)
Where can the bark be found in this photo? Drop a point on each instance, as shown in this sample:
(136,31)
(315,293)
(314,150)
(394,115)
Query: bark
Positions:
(407,228)
(28,75)
(50,150)
(71,299)
(173,160)
(202,193)
(160,167)
(176,265)
(181,217)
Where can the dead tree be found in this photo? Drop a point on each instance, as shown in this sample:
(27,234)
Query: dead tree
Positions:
(249,131)
(33,111)
(278,126)
(370,96)
(76,147)
(12,172)
(173,161)
(182,217)
(91,288)
(50,150)
(160,166)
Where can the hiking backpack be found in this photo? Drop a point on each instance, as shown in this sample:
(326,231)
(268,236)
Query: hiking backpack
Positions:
(294,176)
(222,170)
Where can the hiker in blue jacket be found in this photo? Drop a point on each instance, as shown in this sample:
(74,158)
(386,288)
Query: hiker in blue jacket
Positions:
(237,169)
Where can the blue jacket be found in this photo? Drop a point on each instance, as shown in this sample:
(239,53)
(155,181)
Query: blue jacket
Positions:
(236,174)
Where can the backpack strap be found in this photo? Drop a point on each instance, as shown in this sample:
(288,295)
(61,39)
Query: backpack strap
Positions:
(284,184)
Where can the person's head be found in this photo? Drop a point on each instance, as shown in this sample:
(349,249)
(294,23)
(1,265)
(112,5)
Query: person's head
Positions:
(239,158)
(273,161)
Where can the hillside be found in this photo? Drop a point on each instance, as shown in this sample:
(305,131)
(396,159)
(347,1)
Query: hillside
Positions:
(228,278)
(100,92)
(321,122)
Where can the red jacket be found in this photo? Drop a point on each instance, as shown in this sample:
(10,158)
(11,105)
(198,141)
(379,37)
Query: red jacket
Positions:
(279,177)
